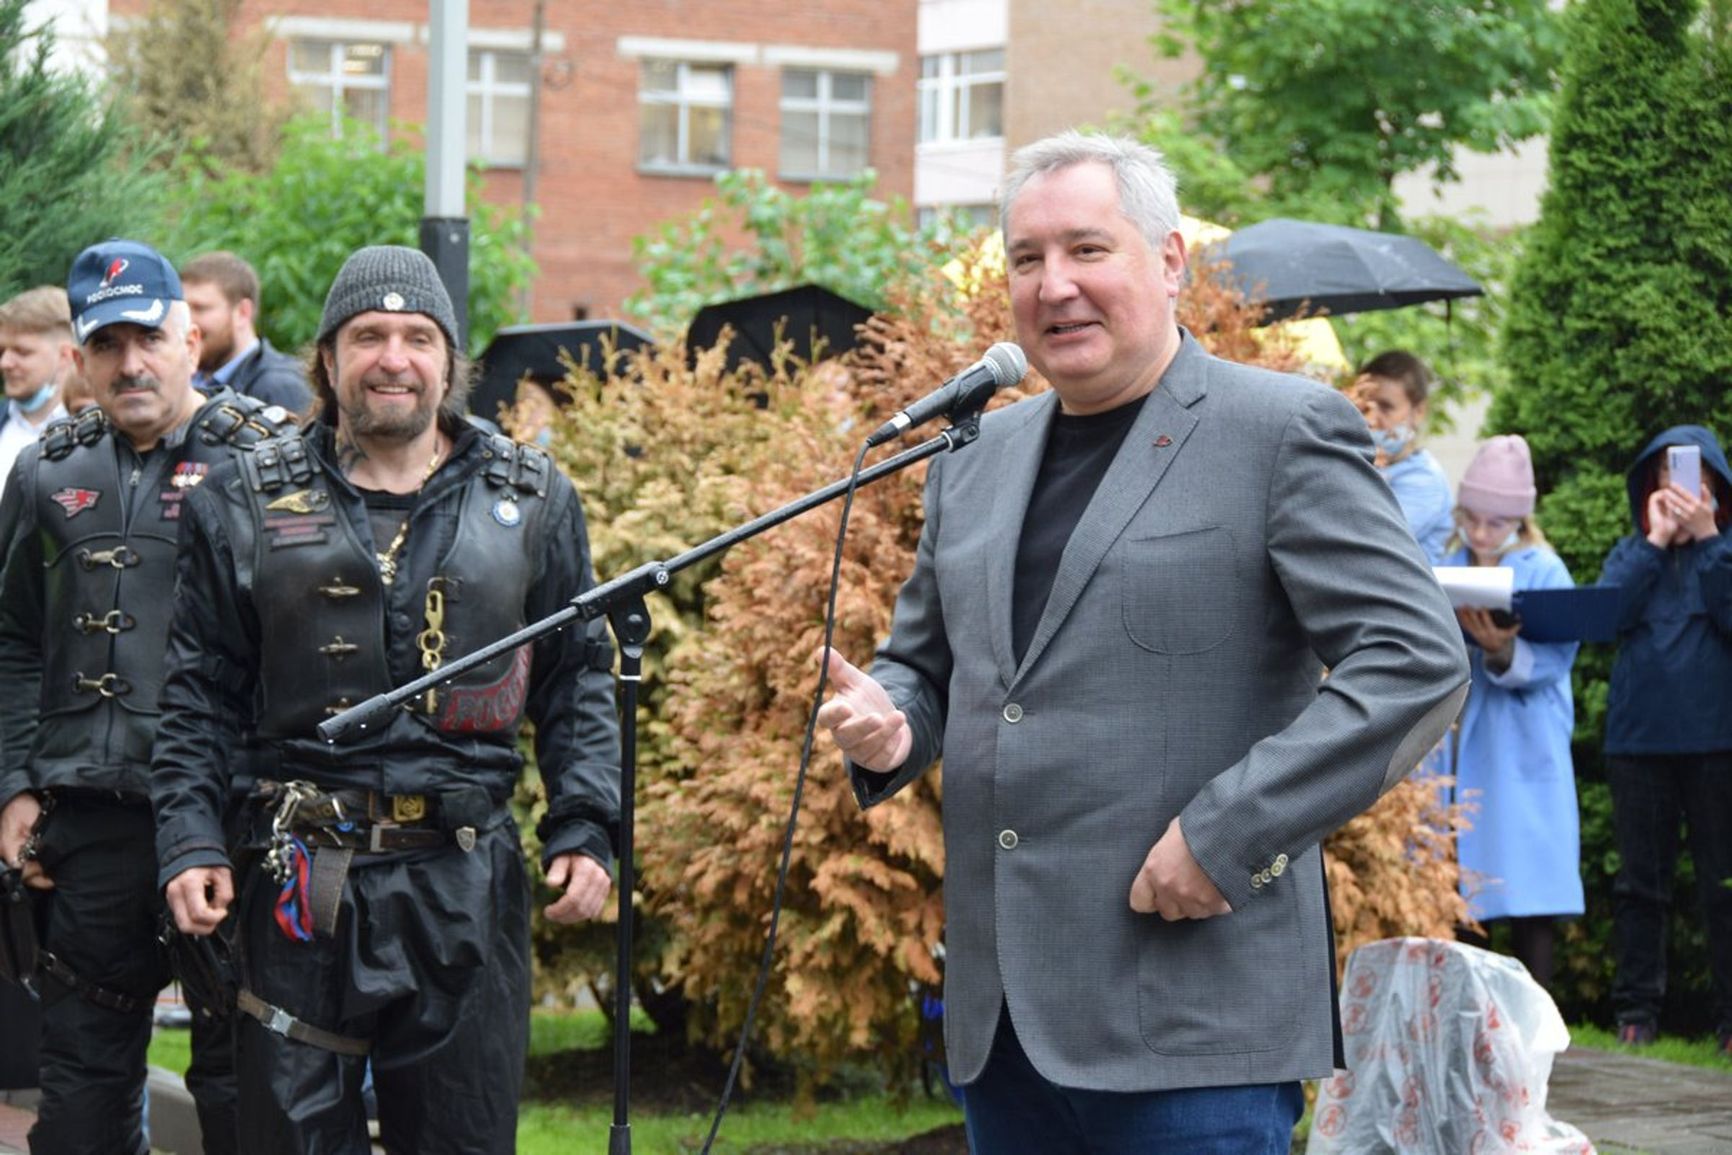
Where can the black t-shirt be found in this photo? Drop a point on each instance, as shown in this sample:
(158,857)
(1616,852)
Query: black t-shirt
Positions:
(386,513)
(1078,451)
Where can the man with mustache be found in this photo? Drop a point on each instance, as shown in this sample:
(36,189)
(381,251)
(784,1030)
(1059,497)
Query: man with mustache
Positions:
(385,916)
(90,520)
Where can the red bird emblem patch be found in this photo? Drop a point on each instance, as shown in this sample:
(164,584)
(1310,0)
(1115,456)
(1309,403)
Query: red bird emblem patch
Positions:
(75,501)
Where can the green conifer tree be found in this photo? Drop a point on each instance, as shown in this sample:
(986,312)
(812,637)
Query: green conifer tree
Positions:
(1621,326)
(71,167)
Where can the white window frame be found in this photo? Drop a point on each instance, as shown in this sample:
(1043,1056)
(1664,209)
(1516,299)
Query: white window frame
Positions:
(827,105)
(333,82)
(489,88)
(945,88)
(683,100)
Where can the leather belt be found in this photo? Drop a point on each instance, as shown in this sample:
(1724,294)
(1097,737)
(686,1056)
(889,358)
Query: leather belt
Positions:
(376,838)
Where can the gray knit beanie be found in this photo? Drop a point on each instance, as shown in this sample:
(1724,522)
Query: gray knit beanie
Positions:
(391,278)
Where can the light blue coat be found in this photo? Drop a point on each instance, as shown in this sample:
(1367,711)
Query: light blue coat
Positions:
(1422,491)
(1522,856)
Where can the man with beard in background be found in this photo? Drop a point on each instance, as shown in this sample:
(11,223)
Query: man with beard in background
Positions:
(223,292)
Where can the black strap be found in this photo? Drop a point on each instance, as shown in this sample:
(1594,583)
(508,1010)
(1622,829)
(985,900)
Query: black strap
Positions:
(48,964)
(61,437)
(283,1023)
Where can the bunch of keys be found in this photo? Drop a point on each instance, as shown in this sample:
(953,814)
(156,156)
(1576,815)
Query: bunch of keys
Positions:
(279,859)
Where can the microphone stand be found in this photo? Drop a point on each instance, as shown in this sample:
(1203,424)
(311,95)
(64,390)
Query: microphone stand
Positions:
(621,601)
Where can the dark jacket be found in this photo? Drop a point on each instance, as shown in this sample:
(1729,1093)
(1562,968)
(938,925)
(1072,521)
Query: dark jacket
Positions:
(274,378)
(214,661)
(1674,663)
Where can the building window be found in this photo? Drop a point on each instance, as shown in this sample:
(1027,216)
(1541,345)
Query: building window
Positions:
(685,116)
(498,91)
(826,121)
(962,96)
(343,78)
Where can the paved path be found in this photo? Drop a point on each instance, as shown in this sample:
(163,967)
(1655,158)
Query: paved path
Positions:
(1627,1105)
(1630,1104)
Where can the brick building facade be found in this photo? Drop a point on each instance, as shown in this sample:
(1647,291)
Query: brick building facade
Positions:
(641,104)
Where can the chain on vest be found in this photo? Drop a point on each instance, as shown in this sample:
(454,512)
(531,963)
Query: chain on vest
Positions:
(321,606)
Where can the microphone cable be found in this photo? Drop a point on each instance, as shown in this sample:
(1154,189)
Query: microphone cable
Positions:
(768,959)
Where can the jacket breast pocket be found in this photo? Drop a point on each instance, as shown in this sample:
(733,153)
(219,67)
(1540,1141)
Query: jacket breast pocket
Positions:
(1180,591)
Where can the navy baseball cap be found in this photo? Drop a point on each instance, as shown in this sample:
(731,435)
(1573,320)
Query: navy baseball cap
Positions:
(120,281)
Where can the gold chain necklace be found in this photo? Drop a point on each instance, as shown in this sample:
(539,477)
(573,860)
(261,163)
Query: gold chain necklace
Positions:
(388,556)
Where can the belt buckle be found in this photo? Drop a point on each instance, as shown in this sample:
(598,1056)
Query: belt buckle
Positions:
(376,837)
(408,807)
(280,1021)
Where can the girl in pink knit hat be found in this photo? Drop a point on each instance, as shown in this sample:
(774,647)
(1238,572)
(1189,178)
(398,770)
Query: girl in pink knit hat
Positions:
(1520,858)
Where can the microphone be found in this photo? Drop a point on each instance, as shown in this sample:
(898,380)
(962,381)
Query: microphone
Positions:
(1004,364)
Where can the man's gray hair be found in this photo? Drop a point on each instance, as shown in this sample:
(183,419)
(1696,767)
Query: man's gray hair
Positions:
(1148,191)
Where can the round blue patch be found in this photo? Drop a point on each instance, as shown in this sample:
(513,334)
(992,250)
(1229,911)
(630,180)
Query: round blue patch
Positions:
(506,513)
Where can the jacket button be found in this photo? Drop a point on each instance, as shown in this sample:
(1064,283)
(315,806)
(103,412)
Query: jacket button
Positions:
(1007,839)
(1013,713)
(1266,876)
(1256,882)
(1279,866)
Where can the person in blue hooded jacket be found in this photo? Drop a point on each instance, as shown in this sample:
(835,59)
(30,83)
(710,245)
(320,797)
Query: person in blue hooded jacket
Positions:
(1520,857)
(1397,385)
(1668,729)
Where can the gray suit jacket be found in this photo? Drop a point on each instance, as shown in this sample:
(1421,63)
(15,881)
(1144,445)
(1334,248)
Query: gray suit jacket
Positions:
(1240,543)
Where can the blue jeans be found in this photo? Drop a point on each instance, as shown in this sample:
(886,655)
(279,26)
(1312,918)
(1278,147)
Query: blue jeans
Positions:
(1013,1110)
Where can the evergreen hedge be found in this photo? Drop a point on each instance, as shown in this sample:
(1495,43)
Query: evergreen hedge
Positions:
(1621,326)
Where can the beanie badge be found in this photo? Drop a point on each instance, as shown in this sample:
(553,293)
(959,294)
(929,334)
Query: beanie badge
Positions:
(393,302)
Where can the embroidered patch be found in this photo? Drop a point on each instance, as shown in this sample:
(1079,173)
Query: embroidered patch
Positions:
(393,302)
(301,501)
(506,512)
(188,474)
(488,709)
(287,529)
(75,501)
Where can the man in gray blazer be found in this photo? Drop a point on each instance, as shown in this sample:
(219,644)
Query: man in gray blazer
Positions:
(1124,601)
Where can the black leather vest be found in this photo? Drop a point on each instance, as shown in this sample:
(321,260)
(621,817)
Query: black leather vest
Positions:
(108,536)
(321,605)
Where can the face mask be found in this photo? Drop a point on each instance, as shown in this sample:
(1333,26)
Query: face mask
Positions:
(41,397)
(1392,441)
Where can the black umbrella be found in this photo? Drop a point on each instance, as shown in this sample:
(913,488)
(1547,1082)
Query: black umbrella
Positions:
(805,315)
(1301,265)
(517,351)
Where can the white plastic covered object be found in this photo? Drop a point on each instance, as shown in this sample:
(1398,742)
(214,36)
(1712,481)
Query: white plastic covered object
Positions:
(1449,1049)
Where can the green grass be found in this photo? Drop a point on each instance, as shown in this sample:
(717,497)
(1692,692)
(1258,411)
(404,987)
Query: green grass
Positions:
(543,1129)
(551,1129)
(551,1031)
(1701,1052)
(171,1049)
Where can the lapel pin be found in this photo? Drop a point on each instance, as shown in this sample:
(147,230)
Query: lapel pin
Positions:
(1163,441)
